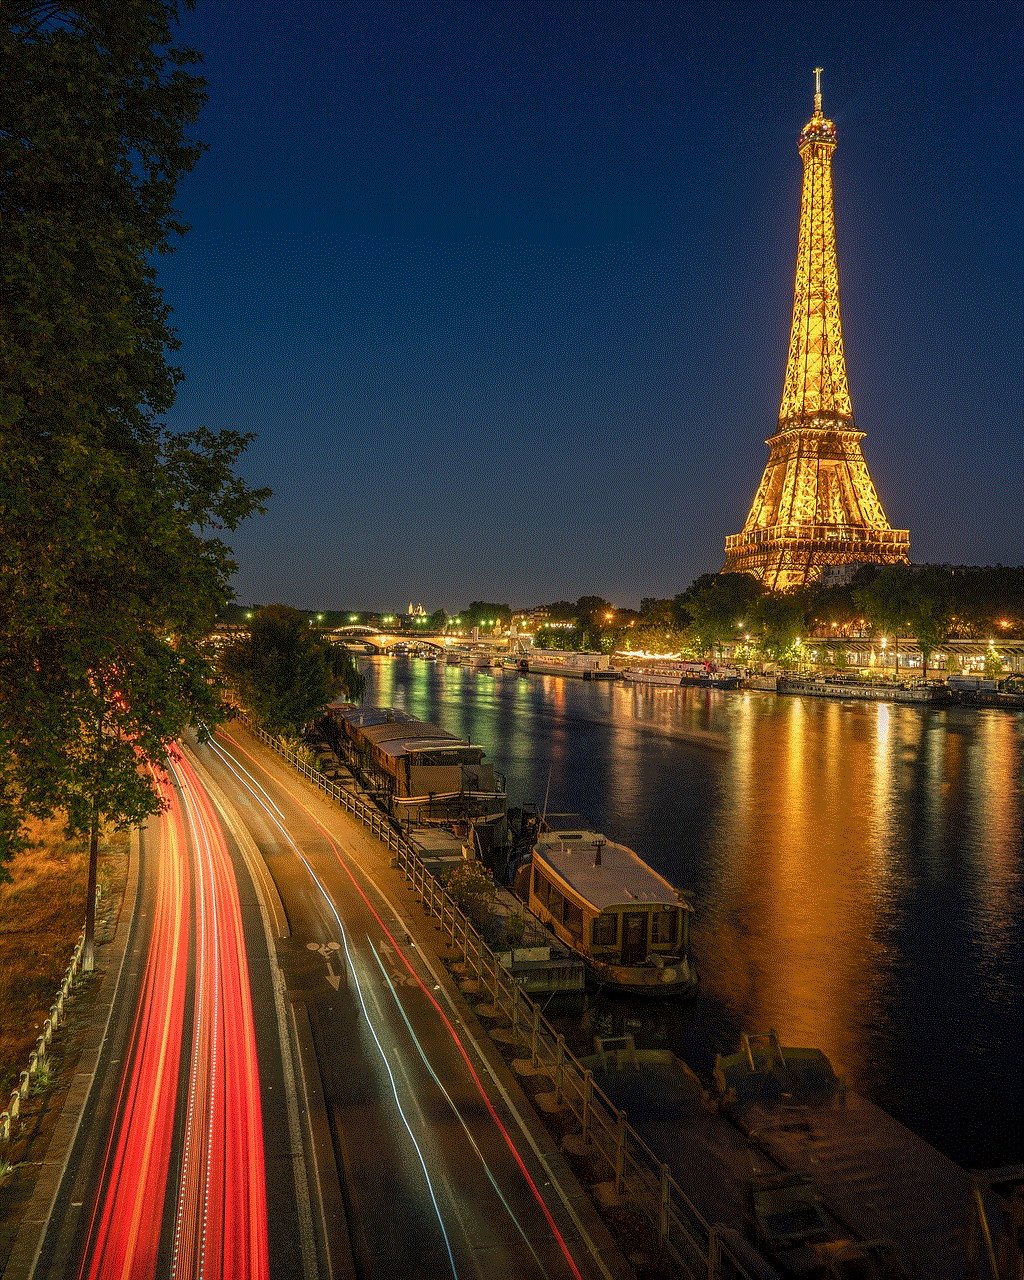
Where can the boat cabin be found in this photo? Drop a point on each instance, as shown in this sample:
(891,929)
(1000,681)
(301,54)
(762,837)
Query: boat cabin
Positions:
(419,768)
(604,900)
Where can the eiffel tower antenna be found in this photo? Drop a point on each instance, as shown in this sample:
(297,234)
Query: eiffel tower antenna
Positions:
(816,504)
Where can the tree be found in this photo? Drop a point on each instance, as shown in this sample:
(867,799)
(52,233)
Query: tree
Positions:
(887,601)
(993,665)
(111,569)
(780,618)
(931,610)
(720,607)
(438,620)
(285,672)
(481,614)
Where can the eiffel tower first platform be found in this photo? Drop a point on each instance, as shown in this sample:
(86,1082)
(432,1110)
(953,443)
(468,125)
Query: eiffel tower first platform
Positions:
(816,504)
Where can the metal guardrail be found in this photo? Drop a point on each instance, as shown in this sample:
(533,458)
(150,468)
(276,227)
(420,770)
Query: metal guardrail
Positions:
(693,1245)
(38,1056)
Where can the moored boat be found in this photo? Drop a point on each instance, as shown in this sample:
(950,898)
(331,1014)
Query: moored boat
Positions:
(655,673)
(629,925)
(559,662)
(708,675)
(871,691)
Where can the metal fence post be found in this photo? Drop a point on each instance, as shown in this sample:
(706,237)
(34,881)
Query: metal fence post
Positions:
(663,1207)
(559,1066)
(588,1099)
(620,1154)
(714,1255)
(535,1032)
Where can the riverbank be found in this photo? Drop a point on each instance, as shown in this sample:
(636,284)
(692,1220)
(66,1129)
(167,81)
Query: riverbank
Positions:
(41,915)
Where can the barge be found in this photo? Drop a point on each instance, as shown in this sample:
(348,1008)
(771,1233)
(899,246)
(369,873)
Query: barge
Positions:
(874,691)
(421,774)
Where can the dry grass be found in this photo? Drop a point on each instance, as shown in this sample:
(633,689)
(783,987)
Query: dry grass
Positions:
(41,916)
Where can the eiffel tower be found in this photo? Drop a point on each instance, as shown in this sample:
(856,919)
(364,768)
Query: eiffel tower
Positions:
(816,504)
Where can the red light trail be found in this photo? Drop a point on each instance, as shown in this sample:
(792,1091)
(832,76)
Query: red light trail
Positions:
(216,1188)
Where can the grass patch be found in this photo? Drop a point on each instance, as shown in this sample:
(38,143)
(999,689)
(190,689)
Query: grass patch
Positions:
(41,914)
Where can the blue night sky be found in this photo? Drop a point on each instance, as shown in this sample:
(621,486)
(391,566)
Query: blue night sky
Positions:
(504,290)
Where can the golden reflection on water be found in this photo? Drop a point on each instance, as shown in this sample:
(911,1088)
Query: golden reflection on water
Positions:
(809,856)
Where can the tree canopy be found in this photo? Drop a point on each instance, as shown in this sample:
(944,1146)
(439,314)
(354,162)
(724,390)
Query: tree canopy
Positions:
(285,671)
(112,566)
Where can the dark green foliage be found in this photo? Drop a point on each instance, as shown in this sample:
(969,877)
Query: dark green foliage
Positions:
(285,672)
(481,613)
(719,607)
(112,568)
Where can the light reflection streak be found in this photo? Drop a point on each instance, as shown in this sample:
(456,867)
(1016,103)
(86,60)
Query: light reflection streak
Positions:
(254,787)
(451,1103)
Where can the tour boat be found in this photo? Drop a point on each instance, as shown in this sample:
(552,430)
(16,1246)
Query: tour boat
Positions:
(670,675)
(629,925)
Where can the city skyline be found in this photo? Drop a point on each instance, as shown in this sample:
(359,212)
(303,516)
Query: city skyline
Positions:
(505,292)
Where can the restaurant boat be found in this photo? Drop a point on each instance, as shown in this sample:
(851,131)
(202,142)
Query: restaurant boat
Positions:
(629,925)
(654,673)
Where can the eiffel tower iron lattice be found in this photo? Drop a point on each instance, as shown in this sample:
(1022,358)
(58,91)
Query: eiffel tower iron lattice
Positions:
(816,504)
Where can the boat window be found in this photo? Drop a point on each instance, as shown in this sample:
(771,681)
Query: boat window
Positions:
(606,930)
(663,925)
(555,902)
(540,886)
(572,917)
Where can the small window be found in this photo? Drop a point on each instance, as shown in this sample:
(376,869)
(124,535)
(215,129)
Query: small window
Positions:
(540,886)
(663,926)
(555,903)
(605,930)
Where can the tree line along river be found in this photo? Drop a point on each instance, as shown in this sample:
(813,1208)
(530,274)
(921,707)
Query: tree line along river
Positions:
(858,871)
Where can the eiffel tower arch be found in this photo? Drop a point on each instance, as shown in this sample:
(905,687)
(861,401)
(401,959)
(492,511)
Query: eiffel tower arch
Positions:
(816,504)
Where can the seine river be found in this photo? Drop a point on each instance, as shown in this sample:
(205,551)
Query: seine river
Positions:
(858,871)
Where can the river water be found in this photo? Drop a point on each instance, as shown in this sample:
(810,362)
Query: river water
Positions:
(858,871)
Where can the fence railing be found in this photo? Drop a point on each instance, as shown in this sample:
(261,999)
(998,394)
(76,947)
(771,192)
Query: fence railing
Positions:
(38,1056)
(607,1140)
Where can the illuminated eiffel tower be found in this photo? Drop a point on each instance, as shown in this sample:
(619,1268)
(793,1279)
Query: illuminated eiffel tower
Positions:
(816,504)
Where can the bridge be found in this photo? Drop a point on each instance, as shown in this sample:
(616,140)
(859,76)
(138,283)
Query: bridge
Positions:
(386,641)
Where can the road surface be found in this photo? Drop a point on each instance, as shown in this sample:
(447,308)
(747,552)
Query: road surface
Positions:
(288,1088)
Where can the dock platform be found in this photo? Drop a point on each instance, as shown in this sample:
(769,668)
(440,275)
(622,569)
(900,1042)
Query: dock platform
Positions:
(877,1179)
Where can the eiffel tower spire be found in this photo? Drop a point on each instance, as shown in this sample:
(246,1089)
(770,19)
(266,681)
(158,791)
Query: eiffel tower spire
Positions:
(816,504)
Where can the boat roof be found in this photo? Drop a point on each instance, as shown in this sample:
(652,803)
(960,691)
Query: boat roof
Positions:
(366,716)
(622,878)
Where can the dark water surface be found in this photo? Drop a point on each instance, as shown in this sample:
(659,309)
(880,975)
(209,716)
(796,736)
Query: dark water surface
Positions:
(858,871)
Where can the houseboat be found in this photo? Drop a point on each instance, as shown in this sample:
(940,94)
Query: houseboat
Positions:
(421,773)
(630,926)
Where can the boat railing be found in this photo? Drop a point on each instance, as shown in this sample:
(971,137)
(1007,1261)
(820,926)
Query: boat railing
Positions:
(604,1140)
